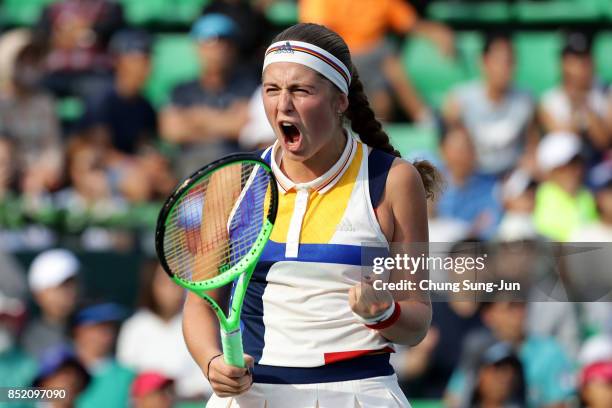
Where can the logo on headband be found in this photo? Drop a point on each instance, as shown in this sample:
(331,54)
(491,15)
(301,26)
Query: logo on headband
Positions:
(285,48)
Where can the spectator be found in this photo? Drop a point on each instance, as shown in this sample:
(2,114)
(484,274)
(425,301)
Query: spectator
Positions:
(11,42)
(257,132)
(205,116)
(157,325)
(363,24)
(499,117)
(27,114)
(579,105)
(563,204)
(121,117)
(596,385)
(152,390)
(8,167)
(255,29)
(547,370)
(53,282)
(77,33)
(12,238)
(498,379)
(156,168)
(90,188)
(94,331)
(17,368)
(60,369)
(518,198)
(601,181)
(469,195)
(428,366)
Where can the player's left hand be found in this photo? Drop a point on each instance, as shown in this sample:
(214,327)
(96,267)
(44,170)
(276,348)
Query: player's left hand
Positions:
(368,302)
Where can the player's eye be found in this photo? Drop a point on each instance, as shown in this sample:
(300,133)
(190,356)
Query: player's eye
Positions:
(271,91)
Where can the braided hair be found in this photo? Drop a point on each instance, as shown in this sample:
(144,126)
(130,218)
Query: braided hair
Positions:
(361,116)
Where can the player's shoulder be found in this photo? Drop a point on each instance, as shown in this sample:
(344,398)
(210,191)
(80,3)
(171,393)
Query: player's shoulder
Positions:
(403,175)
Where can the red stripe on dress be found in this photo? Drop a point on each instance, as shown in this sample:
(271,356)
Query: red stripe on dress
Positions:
(347,355)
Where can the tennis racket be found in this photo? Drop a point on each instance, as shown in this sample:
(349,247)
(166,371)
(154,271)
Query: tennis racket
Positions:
(211,232)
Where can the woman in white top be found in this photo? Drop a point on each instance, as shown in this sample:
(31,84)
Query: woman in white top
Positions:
(152,338)
(314,335)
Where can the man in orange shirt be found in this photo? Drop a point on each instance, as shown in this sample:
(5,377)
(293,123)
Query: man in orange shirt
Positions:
(363,24)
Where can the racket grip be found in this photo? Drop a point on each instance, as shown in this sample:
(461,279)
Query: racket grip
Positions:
(232,348)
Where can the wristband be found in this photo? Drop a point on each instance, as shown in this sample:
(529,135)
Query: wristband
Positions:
(376,319)
(208,365)
(395,315)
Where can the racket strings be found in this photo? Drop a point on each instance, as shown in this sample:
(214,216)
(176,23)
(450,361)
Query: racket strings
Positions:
(216,223)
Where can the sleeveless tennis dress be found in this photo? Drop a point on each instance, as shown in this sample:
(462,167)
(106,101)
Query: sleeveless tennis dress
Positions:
(309,350)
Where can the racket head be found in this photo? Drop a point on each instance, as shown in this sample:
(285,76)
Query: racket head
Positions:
(214,226)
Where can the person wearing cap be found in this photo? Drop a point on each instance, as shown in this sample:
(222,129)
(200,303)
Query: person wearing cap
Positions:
(579,105)
(600,180)
(205,116)
(498,380)
(547,370)
(52,278)
(563,203)
(94,332)
(517,195)
(596,385)
(59,368)
(152,390)
(121,117)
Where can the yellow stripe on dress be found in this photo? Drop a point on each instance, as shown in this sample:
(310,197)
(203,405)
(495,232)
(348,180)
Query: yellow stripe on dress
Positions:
(324,211)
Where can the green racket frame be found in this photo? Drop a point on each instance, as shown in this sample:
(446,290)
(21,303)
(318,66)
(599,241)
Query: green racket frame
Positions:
(231,336)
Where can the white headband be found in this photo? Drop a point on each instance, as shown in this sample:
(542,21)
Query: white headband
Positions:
(313,57)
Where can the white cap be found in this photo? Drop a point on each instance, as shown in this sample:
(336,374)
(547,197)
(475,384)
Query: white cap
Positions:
(52,268)
(598,348)
(557,149)
(516,227)
(516,184)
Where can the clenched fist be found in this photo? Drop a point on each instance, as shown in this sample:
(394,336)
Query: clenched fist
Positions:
(368,302)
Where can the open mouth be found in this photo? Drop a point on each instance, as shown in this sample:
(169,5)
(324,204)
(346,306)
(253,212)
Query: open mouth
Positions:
(291,133)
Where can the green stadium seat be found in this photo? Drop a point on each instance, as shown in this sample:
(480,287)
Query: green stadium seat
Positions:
(413,141)
(282,13)
(175,60)
(138,12)
(455,11)
(469,48)
(184,11)
(602,51)
(432,73)
(426,404)
(69,109)
(554,11)
(538,60)
(22,12)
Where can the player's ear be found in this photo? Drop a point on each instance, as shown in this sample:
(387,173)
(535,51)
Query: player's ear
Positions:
(341,102)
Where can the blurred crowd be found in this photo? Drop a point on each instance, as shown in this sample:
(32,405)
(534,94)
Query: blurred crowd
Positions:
(516,168)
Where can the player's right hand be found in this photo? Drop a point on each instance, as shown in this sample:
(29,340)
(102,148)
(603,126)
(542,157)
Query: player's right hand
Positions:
(229,381)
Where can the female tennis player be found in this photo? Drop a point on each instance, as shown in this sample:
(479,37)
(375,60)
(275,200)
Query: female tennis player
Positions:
(314,336)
